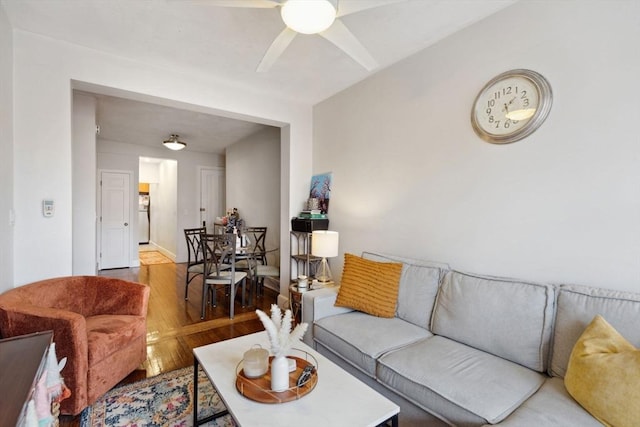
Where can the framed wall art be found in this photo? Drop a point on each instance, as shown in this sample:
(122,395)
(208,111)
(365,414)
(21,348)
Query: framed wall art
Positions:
(321,190)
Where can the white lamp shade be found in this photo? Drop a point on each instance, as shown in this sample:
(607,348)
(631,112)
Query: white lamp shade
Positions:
(324,243)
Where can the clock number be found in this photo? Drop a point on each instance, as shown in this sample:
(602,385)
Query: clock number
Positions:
(488,111)
(507,124)
(491,119)
(506,90)
(491,103)
(497,124)
(496,95)
(524,94)
(525,103)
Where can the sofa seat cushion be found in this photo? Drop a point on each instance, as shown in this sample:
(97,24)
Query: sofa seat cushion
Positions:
(109,334)
(551,406)
(360,338)
(478,382)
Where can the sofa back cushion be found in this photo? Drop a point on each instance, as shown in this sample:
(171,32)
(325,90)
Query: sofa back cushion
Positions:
(576,308)
(504,317)
(418,287)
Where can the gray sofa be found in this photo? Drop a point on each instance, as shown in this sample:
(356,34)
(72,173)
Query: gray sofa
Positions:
(467,349)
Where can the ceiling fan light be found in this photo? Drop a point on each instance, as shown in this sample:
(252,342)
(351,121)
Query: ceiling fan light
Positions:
(308,16)
(173,144)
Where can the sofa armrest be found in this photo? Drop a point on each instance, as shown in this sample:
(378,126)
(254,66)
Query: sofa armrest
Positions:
(27,319)
(317,304)
(69,334)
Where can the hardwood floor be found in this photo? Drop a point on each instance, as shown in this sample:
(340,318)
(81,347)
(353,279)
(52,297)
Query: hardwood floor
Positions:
(174,327)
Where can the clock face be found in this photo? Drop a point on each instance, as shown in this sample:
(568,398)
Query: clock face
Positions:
(511,106)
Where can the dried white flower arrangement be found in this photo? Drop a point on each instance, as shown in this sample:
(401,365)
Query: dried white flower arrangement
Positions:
(279,330)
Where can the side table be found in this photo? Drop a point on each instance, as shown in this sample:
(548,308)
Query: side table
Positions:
(295,299)
(295,302)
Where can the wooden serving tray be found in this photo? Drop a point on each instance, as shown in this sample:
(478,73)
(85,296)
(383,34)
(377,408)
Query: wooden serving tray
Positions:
(259,389)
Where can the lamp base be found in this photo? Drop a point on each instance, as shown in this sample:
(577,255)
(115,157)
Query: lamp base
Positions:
(323,275)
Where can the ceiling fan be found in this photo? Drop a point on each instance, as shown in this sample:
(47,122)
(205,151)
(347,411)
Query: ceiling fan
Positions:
(313,17)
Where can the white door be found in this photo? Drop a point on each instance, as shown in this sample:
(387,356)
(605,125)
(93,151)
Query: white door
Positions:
(212,195)
(115,236)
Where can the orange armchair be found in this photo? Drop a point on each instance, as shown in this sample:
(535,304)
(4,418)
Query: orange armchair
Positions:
(98,323)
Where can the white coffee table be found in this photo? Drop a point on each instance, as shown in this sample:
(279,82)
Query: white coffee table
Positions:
(338,399)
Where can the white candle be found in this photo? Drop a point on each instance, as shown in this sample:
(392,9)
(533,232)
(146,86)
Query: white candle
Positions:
(255,362)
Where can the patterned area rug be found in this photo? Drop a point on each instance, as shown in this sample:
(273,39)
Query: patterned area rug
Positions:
(153,257)
(163,400)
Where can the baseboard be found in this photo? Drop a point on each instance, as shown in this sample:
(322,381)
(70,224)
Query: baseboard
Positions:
(164,251)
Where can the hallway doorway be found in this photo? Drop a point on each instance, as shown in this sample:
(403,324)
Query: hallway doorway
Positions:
(157,207)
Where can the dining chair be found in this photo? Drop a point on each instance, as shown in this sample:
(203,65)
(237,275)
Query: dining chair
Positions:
(258,272)
(257,236)
(262,272)
(195,259)
(219,228)
(219,252)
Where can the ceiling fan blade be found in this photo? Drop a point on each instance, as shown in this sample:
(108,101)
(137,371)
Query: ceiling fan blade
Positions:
(265,4)
(275,50)
(339,35)
(346,7)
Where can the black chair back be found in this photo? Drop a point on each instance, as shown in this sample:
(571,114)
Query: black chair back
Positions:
(257,236)
(194,254)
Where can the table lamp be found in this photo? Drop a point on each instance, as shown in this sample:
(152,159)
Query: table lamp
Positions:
(324,244)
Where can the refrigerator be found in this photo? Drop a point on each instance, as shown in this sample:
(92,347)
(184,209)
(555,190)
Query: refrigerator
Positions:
(144,228)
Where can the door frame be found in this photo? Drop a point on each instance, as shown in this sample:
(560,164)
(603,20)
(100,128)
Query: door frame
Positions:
(133,220)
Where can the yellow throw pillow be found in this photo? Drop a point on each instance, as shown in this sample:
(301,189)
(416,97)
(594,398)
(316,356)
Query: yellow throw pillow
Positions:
(603,375)
(369,286)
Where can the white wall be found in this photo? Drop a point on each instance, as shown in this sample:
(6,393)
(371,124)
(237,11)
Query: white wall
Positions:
(46,70)
(164,218)
(148,172)
(563,205)
(253,183)
(84,185)
(6,148)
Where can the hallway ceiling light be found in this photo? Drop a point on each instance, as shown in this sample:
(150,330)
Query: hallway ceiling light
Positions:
(173,144)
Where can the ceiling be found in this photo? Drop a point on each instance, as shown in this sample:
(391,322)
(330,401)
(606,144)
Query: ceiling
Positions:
(198,38)
(129,121)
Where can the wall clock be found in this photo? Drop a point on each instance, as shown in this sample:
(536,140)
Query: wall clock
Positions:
(511,106)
